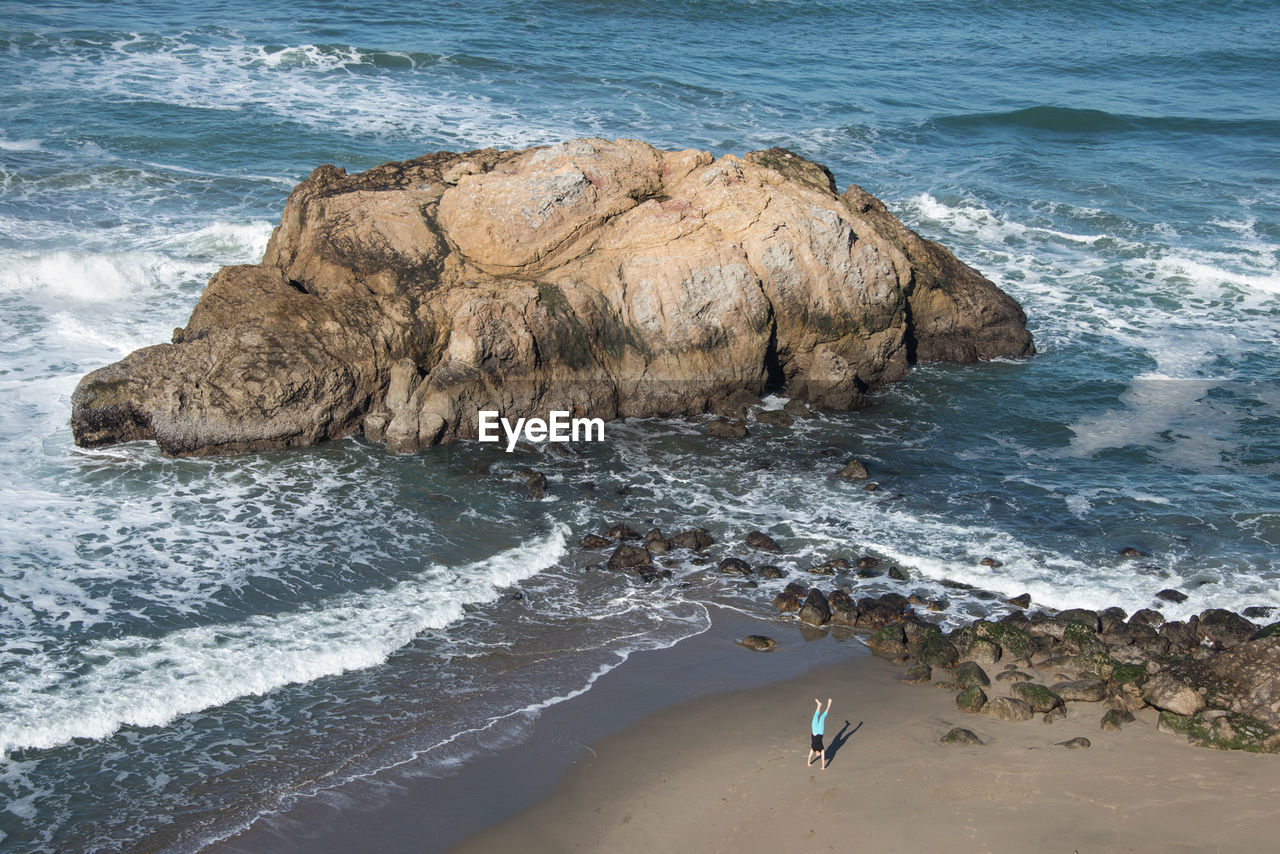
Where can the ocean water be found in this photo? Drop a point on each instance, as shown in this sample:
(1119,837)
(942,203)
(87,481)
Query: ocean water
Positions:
(186,644)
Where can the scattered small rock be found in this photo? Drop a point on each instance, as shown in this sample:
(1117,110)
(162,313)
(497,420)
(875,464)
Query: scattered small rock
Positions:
(1130,552)
(759,643)
(594,541)
(960,735)
(629,557)
(1171,595)
(695,539)
(1022,600)
(870,487)
(1014,675)
(854,470)
(1114,719)
(1076,743)
(762,542)
(1054,715)
(897,574)
(774,417)
(734,566)
(868,562)
(771,571)
(622,531)
(991,562)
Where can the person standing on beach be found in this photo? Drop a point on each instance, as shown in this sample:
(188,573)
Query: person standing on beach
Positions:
(816,748)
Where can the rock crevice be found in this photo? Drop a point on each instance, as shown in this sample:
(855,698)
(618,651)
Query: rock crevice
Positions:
(606,278)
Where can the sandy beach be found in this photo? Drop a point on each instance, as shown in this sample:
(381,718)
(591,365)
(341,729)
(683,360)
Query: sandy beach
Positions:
(726,773)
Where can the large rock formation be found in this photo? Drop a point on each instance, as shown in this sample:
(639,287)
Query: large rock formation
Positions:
(605,278)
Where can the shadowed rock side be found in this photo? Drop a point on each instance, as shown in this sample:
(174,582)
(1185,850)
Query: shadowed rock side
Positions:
(605,278)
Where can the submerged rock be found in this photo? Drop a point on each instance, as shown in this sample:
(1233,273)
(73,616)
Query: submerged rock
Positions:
(593,277)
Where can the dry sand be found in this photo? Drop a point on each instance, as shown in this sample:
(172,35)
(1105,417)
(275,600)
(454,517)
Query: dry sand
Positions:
(726,773)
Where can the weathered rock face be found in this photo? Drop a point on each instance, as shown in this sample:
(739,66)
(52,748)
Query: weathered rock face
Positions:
(604,278)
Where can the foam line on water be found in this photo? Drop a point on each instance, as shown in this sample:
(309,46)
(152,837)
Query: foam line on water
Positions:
(146,682)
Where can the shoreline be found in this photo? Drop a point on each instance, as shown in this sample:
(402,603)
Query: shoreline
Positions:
(723,773)
(402,809)
(697,747)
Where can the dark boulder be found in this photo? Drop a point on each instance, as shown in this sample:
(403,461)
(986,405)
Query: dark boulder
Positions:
(791,598)
(888,640)
(629,557)
(762,542)
(1181,637)
(1147,617)
(933,649)
(1224,629)
(734,566)
(595,541)
(815,611)
(622,531)
(875,612)
(1171,595)
(695,539)
(844,611)
(1081,615)
(534,483)
(771,571)
(1022,600)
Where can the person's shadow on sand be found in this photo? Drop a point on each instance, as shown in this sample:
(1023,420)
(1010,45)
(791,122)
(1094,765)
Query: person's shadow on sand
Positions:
(840,738)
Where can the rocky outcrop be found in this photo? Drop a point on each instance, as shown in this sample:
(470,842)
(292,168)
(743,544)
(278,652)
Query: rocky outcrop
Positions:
(602,278)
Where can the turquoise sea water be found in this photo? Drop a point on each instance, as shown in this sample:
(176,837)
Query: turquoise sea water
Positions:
(185,644)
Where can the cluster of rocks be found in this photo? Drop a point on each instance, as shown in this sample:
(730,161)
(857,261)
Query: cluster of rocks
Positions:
(1214,678)
(634,553)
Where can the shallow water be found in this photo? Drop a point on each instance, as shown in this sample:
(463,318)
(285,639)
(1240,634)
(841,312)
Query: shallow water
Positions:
(185,643)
